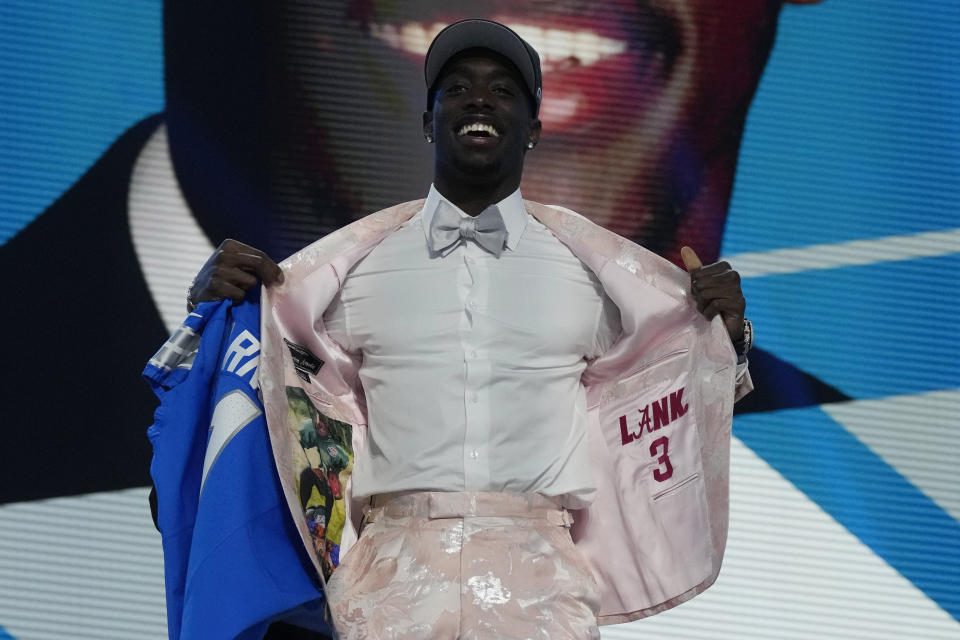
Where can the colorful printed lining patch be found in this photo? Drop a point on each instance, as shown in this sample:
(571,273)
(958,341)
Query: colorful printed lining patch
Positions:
(323,461)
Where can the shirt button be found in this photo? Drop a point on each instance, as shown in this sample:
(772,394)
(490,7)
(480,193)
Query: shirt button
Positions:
(473,304)
(474,399)
(473,354)
(474,454)
(470,260)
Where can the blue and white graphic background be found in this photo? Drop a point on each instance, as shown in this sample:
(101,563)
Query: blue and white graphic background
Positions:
(845,518)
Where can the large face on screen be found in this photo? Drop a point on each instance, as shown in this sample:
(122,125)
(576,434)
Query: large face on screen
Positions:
(643,105)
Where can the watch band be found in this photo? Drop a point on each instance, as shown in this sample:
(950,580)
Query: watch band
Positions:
(746,343)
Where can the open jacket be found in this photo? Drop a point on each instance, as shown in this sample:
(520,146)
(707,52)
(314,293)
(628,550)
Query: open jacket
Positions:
(660,403)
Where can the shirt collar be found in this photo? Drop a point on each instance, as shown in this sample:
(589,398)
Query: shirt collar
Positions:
(511,208)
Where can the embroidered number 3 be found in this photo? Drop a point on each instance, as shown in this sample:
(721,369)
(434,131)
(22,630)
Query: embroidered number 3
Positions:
(666,469)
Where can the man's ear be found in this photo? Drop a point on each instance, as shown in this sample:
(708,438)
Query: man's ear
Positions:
(535,128)
(427,124)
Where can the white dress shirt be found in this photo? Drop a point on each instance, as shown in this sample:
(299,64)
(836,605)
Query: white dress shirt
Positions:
(471,363)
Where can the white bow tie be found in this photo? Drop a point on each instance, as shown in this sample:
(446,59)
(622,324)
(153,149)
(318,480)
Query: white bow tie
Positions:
(448,228)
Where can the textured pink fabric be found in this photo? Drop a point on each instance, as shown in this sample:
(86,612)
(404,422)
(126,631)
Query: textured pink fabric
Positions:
(465,565)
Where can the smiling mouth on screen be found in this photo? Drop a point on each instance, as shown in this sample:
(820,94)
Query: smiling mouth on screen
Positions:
(573,61)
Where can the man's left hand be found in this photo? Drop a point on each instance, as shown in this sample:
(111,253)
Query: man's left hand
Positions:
(716,289)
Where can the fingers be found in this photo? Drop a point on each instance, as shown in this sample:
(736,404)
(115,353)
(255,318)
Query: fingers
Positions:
(727,287)
(716,291)
(237,254)
(231,271)
(262,265)
(726,306)
(730,310)
(690,259)
(730,297)
(219,290)
(715,280)
(232,276)
(715,269)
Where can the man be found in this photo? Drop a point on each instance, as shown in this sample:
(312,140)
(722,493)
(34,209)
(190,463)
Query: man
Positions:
(466,324)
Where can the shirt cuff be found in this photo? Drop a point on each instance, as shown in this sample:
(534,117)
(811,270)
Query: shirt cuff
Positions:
(743,382)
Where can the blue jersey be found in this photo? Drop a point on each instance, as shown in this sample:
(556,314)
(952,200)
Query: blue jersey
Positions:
(233,559)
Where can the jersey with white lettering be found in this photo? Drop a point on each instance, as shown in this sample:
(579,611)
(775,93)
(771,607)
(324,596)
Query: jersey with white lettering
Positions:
(232,557)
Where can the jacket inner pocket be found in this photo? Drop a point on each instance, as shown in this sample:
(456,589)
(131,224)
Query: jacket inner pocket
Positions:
(677,486)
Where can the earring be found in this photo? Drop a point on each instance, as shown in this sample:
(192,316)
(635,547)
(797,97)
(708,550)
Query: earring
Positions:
(429,138)
(530,145)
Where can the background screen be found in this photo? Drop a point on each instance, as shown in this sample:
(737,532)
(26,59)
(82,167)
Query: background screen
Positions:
(814,146)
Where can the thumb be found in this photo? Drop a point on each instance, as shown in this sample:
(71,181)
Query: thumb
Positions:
(690,259)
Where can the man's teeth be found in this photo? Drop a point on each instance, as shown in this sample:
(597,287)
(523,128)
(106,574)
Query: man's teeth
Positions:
(553,45)
(477,127)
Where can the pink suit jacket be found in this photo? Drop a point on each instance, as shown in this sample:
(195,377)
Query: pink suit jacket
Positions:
(660,406)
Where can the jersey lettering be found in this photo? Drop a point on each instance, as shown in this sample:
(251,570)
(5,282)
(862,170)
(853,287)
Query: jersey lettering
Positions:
(243,356)
(665,410)
(659,449)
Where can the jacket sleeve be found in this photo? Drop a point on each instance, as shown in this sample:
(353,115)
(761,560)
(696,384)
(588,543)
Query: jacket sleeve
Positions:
(743,381)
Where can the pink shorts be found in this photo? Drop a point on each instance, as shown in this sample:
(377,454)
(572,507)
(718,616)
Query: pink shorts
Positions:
(474,566)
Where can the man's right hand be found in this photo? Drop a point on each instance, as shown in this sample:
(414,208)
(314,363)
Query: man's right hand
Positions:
(230,272)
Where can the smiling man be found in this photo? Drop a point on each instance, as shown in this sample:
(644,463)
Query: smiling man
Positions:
(478,347)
